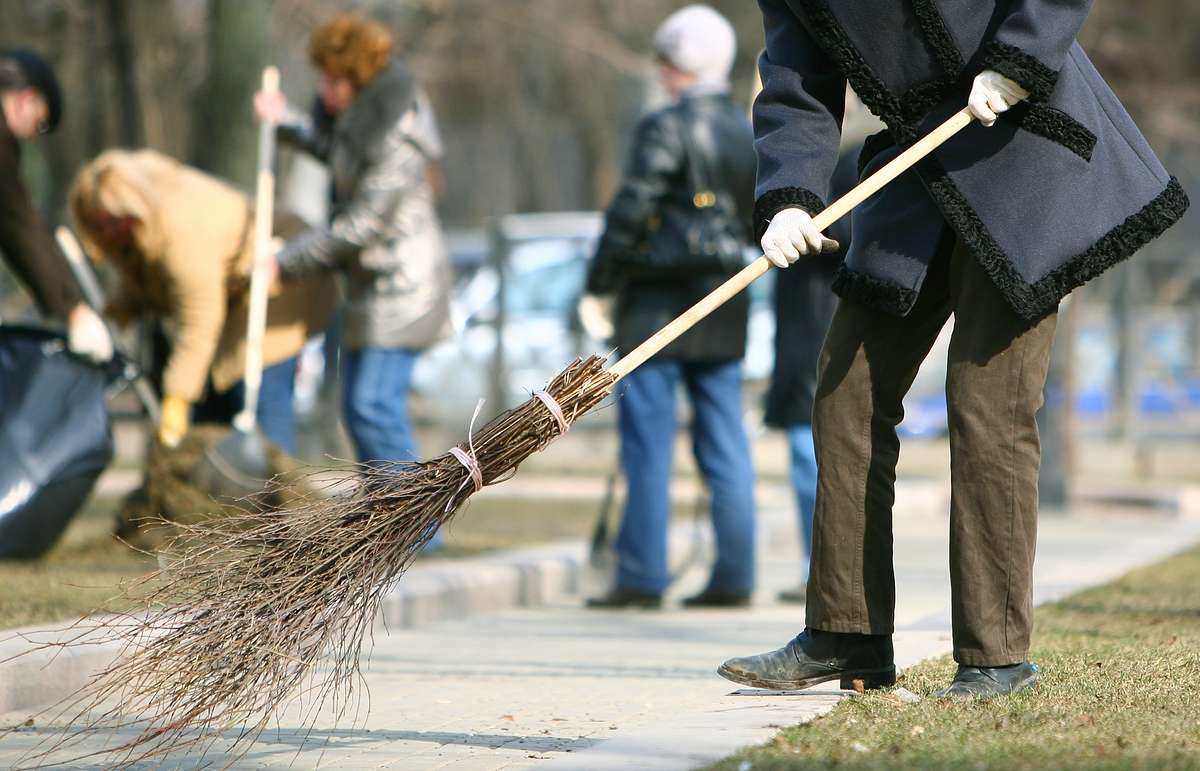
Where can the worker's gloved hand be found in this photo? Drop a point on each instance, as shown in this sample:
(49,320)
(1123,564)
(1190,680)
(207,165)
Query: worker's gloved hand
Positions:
(992,94)
(87,336)
(595,314)
(173,421)
(792,233)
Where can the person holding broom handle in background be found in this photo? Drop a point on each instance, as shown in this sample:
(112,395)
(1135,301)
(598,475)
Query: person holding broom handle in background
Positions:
(1053,186)
(374,131)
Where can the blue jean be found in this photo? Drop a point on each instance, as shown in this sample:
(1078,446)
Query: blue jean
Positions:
(276,413)
(647,426)
(804,482)
(375,388)
(375,384)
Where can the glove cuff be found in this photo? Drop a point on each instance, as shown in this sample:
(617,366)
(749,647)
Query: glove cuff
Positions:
(772,202)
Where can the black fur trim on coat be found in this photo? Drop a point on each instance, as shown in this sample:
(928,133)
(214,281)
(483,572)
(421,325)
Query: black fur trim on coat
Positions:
(772,202)
(1015,64)
(872,146)
(873,292)
(829,34)
(1033,301)
(1057,126)
(923,97)
(938,38)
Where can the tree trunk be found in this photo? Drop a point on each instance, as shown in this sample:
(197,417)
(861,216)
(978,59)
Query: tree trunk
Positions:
(123,53)
(225,137)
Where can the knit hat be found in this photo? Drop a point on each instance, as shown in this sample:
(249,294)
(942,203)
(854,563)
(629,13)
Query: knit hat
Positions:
(699,41)
(32,71)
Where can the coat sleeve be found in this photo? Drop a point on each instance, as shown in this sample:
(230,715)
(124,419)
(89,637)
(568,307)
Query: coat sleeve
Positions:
(797,118)
(27,246)
(393,171)
(197,297)
(1032,41)
(304,132)
(654,159)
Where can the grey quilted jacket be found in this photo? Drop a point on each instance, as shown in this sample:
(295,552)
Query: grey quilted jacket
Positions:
(383,232)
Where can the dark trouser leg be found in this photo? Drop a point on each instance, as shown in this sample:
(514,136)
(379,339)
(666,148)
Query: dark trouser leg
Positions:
(996,373)
(867,365)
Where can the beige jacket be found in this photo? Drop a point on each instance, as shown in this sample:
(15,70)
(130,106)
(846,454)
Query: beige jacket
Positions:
(190,266)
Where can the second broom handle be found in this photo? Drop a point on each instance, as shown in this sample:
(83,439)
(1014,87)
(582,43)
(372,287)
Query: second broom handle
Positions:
(746,276)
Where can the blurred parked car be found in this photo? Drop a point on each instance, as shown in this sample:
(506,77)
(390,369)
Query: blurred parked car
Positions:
(513,307)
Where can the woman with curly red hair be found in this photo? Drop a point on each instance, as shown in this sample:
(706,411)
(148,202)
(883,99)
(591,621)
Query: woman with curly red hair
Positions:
(374,130)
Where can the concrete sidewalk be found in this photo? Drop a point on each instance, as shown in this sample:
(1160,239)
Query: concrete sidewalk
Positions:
(556,686)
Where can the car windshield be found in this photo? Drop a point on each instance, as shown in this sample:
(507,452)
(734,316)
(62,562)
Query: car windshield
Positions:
(546,276)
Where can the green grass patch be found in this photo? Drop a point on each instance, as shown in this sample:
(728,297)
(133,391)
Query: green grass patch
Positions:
(1120,689)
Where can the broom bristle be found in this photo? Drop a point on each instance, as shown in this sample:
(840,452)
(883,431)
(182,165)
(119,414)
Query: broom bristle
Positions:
(251,608)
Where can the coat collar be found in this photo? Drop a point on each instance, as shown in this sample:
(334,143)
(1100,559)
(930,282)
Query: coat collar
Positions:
(377,108)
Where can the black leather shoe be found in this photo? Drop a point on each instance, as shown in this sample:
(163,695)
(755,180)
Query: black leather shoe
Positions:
(620,597)
(857,661)
(987,682)
(715,598)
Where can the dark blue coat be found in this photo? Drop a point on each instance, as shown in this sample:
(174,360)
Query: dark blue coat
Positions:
(1060,189)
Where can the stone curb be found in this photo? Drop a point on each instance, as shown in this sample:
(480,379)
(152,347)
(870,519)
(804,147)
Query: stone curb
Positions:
(438,591)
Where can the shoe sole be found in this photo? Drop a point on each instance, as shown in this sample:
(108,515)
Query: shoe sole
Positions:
(859,680)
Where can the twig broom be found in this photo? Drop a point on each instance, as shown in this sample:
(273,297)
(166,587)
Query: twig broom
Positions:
(254,608)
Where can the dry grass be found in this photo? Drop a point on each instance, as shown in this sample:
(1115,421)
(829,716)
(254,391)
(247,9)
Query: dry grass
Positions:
(1120,689)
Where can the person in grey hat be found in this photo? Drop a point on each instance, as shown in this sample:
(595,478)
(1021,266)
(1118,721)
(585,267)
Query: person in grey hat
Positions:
(676,229)
(30,105)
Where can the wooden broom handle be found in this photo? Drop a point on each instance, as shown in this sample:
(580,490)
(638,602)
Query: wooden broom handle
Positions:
(264,220)
(864,190)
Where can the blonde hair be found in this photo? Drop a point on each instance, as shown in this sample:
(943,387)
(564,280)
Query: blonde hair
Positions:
(118,185)
(352,47)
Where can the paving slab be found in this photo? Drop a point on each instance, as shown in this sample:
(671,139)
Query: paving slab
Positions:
(554,685)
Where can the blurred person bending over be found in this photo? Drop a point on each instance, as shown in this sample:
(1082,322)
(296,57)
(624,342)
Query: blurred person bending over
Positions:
(994,228)
(374,130)
(30,105)
(677,229)
(181,243)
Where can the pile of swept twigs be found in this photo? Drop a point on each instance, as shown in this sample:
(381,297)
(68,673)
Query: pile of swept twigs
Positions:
(251,610)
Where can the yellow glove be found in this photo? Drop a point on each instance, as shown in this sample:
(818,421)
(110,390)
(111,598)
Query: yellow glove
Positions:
(174,420)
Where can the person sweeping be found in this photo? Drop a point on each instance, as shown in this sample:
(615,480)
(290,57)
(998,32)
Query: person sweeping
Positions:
(251,611)
(994,229)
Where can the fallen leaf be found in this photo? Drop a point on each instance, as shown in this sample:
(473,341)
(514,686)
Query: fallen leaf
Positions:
(859,747)
(917,730)
(507,717)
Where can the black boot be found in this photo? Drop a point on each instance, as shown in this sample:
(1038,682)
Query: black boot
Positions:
(620,597)
(987,682)
(817,657)
(716,598)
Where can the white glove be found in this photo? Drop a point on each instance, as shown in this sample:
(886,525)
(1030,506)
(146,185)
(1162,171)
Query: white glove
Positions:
(595,314)
(87,336)
(793,233)
(992,94)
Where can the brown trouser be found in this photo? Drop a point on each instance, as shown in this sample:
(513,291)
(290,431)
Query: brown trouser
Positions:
(995,375)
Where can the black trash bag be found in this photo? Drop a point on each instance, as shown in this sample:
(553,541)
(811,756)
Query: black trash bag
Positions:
(55,438)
